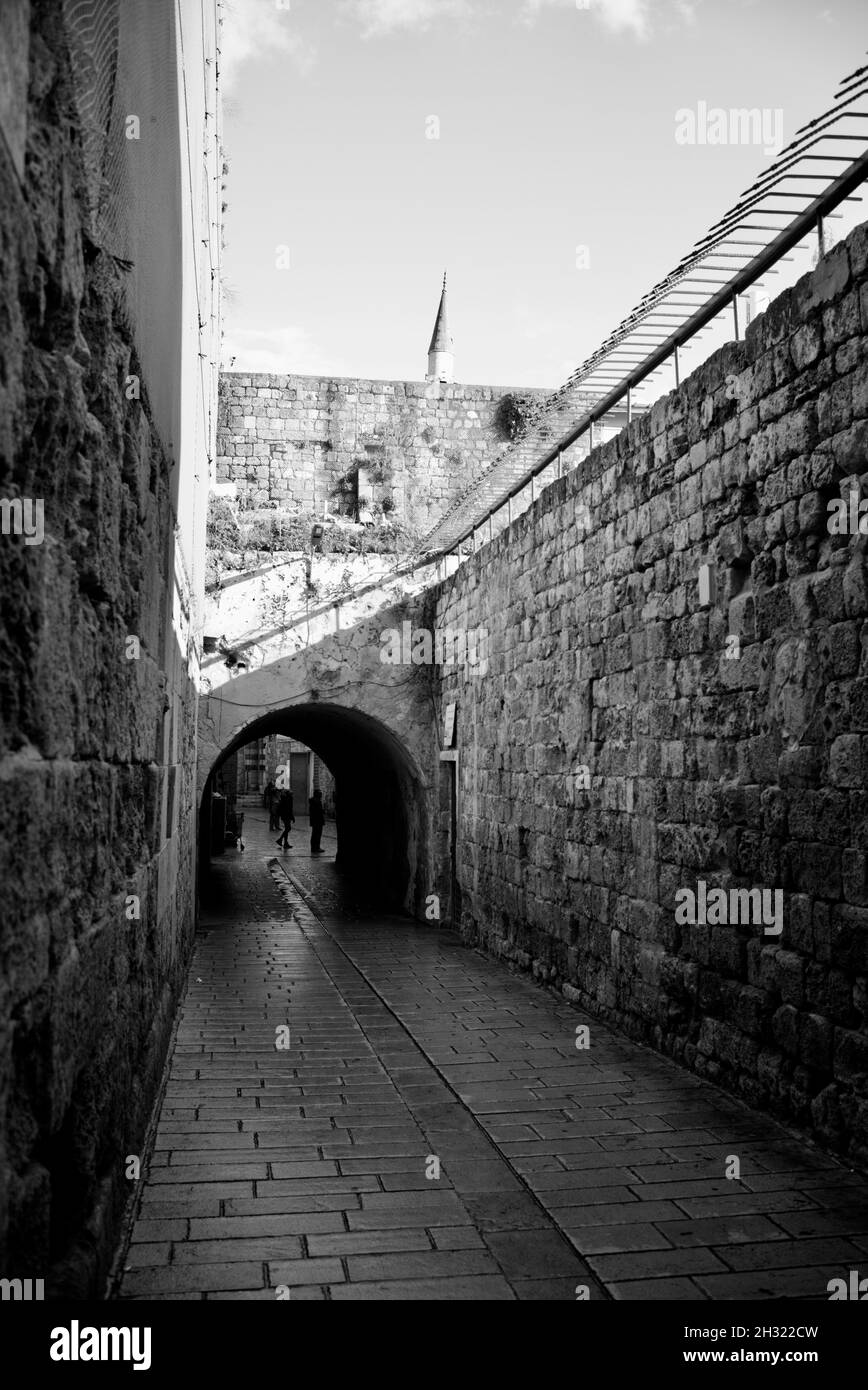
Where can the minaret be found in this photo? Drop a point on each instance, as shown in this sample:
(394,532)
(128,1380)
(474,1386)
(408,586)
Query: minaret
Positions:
(441,360)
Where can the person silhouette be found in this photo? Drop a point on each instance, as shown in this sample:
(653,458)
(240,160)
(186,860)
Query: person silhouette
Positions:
(284,810)
(317,821)
(270,800)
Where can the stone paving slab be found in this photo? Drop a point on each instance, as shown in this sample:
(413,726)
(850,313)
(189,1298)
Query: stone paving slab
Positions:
(310,1166)
(252,1137)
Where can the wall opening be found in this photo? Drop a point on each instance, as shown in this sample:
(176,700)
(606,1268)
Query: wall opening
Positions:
(379,801)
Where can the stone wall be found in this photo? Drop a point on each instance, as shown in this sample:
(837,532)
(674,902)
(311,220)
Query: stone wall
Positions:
(97,734)
(287,441)
(623,746)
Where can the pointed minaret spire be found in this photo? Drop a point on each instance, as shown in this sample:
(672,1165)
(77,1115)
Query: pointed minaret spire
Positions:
(441,360)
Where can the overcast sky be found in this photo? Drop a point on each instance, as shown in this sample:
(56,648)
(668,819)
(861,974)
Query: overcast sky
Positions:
(556,130)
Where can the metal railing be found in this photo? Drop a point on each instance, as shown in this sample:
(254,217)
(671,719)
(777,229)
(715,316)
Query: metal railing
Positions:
(678,308)
(664,321)
(239,646)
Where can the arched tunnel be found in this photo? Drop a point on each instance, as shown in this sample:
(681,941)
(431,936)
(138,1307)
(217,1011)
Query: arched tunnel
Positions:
(380,800)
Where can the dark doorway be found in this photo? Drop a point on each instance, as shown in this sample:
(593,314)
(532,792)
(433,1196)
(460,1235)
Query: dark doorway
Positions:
(299,779)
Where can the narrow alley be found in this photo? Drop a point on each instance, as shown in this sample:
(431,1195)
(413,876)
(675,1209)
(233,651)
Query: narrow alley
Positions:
(372,476)
(433,1131)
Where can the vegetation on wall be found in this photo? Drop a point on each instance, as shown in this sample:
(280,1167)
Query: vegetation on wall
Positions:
(223,530)
(379,471)
(511,416)
(272,531)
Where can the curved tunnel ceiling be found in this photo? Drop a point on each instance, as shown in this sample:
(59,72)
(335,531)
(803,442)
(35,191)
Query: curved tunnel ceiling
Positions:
(335,734)
(379,794)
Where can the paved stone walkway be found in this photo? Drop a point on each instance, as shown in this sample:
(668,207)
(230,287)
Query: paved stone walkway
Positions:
(313,1169)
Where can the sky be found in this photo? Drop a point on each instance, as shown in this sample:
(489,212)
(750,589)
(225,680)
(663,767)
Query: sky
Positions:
(556,130)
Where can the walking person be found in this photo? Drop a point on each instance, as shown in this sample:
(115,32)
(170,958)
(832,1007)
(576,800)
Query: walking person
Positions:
(317,821)
(284,811)
(270,799)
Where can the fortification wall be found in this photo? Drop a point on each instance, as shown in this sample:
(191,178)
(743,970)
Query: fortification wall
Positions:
(288,441)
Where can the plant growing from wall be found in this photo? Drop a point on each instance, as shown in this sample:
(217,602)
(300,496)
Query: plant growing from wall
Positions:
(379,470)
(223,530)
(511,416)
(280,533)
(336,542)
(311,587)
(346,491)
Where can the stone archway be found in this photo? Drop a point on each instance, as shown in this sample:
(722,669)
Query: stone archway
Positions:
(382,801)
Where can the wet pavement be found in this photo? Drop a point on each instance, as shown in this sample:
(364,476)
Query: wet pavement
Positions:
(361,1107)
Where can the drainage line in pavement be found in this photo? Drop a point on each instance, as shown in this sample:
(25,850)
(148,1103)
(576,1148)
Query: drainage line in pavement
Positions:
(310,903)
